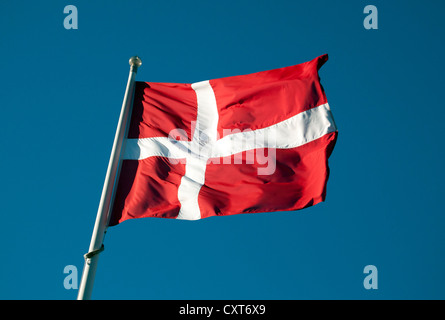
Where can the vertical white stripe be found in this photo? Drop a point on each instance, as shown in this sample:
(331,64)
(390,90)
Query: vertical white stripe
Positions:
(207,119)
(204,138)
(189,188)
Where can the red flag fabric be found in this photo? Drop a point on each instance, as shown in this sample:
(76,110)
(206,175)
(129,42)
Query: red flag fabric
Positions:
(242,144)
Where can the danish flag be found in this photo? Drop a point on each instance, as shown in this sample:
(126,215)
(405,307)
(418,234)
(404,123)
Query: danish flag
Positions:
(244,144)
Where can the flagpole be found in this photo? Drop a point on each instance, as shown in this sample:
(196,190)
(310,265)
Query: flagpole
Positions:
(100,226)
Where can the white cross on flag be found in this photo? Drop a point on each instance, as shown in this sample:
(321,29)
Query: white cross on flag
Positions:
(242,144)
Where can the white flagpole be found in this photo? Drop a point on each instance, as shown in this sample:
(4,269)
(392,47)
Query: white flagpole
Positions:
(100,226)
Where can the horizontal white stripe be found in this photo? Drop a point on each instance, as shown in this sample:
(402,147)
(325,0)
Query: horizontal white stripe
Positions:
(139,149)
(291,133)
(296,131)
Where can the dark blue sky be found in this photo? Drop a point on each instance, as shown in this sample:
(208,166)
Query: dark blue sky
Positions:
(61,92)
